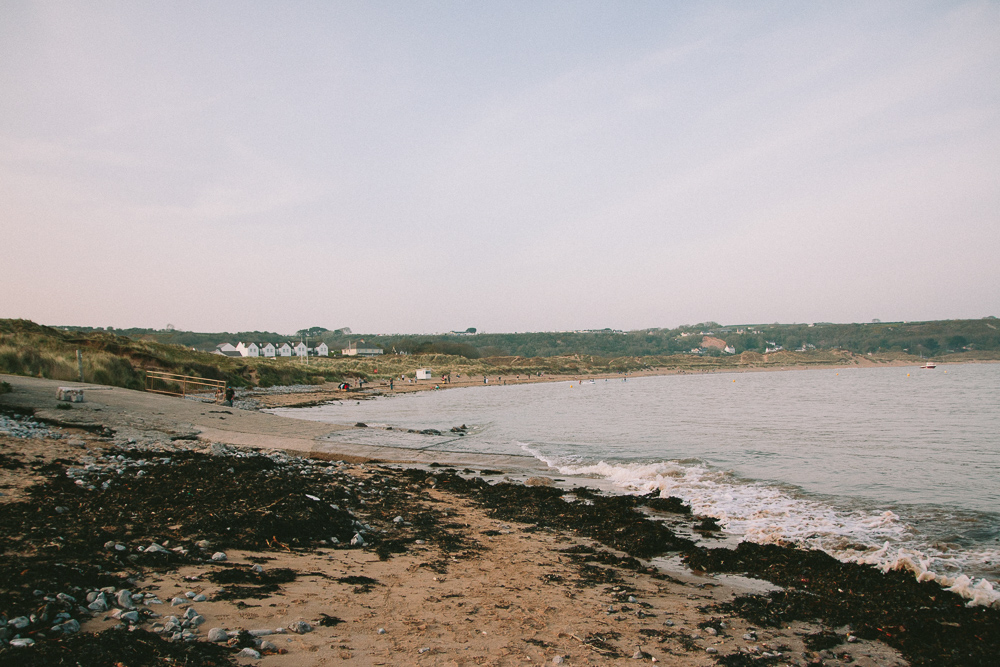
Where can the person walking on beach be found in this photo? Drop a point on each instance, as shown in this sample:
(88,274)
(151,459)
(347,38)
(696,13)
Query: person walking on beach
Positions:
(230,395)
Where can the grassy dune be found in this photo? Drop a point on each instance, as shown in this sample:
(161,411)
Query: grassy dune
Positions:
(27,348)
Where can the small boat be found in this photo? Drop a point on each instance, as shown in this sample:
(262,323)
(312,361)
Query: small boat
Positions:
(929,364)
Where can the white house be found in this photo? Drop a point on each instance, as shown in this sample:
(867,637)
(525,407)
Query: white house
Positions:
(226,350)
(300,349)
(248,350)
(424,374)
(322,350)
(284,350)
(355,350)
(730,349)
(266,349)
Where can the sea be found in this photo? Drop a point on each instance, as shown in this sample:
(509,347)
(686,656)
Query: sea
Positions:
(898,467)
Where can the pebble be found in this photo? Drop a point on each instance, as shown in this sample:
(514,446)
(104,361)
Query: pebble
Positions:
(711,631)
(190,613)
(262,632)
(300,627)
(267,646)
(19,623)
(558,660)
(219,449)
(257,568)
(200,597)
(632,599)
(217,635)
(218,556)
(178,601)
(69,626)
(424,649)
(711,649)
(381,631)
(26,428)
(249,653)
(22,642)
(130,616)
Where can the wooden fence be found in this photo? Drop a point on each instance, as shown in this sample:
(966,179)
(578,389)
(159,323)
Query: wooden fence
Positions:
(168,383)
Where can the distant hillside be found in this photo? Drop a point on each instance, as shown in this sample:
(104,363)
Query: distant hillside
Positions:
(929,339)
(27,348)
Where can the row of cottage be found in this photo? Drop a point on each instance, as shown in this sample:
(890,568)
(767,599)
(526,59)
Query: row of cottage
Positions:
(299,349)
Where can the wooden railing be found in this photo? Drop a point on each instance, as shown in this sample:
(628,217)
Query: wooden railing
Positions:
(161,383)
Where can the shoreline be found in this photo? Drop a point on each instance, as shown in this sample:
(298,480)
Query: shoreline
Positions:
(329,392)
(518,574)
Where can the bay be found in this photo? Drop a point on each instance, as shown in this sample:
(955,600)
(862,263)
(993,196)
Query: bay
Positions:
(895,466)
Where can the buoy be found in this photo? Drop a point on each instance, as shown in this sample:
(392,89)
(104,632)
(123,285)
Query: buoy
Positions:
(907,375)
(734,380)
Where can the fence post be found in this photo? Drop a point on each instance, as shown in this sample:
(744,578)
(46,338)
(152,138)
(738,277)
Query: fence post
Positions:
(79,364)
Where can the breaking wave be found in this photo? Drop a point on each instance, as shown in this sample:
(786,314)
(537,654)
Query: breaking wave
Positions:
(769,514)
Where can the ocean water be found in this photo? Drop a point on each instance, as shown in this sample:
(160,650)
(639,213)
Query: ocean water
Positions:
(898,467)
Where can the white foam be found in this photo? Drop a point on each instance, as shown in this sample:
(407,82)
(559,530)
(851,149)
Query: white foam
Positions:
(767,514)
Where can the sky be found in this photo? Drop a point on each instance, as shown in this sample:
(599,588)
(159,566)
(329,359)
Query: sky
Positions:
(419,167)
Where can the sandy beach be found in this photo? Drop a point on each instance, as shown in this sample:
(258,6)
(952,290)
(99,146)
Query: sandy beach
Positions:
(457,561)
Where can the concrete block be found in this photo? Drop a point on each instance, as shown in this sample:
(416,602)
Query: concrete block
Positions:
(69,394)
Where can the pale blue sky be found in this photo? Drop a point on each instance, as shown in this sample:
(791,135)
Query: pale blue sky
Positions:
(513,166)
